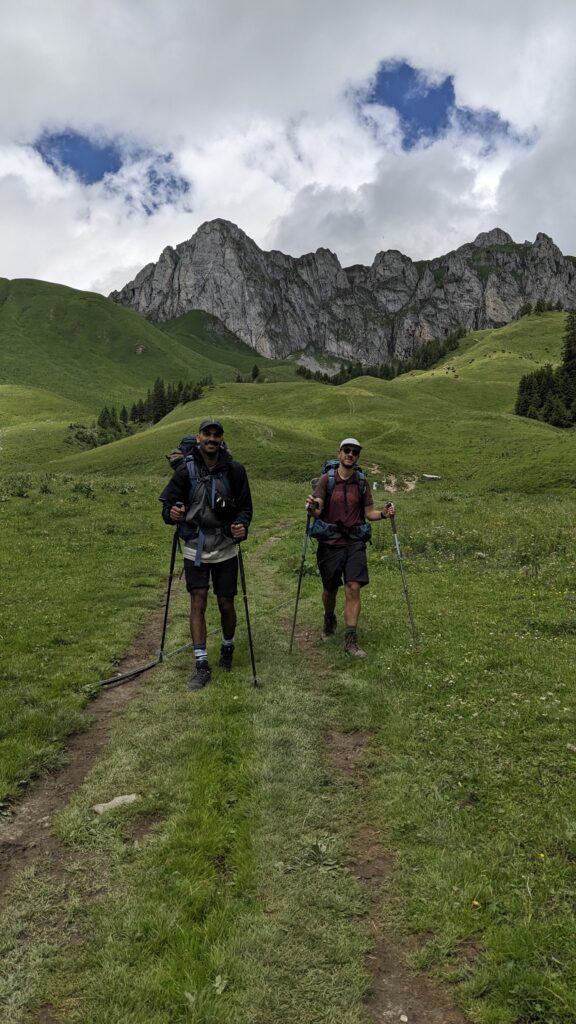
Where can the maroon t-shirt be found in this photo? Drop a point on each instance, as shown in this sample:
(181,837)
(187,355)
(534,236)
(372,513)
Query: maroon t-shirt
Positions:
(345,504)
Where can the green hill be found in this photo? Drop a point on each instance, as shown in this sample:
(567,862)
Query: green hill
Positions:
(90,350)
(64,354)
(456,421)
(219,353)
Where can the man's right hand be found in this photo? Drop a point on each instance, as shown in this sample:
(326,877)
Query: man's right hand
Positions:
(177,512)
(312,504)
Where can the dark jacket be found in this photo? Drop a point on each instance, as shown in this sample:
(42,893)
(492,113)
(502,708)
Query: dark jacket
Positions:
(178,488)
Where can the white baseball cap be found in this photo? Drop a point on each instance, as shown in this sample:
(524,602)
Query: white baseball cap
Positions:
(350,440)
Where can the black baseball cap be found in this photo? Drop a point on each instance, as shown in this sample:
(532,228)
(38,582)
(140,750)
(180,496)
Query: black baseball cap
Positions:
(210,423)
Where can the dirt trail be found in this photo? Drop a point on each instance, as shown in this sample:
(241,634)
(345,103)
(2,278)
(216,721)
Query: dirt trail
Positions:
(396,994)
(26,835)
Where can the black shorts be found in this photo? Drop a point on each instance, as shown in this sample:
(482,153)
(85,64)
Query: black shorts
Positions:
(224,576)
(342,560)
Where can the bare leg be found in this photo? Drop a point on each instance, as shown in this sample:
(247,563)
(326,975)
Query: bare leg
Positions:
(227,616)
(198,602)
(352,604)
(329,601)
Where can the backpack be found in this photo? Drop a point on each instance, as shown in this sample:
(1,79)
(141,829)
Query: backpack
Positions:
(186,447)
(321,530)
(211,508)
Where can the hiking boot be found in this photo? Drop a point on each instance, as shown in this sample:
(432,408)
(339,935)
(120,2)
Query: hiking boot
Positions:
(202,676)
(351,646)
(329,627)
(226,656)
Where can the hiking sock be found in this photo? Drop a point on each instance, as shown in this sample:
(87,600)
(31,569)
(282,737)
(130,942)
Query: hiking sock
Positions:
(200,652)
(227,641)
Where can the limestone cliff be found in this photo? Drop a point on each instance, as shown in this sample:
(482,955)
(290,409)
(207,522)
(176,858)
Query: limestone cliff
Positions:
(280,304)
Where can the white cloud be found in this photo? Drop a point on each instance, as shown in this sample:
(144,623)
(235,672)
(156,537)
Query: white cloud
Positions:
(257,104)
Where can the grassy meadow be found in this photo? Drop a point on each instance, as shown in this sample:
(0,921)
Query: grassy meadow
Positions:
(227,893)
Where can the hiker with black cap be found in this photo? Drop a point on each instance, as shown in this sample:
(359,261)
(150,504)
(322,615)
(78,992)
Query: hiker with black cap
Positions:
(209,498)
(343,501)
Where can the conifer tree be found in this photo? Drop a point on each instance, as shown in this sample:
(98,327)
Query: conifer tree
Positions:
(104,421)
(186,395)
(147,407)
(555,412)
(569,347)
(158,402)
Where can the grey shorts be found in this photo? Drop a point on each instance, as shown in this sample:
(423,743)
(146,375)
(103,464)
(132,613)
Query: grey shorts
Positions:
(338,562)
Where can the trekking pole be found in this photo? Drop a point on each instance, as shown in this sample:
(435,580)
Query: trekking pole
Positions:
(302,560)
(400,563)
(245,596)
(171,574)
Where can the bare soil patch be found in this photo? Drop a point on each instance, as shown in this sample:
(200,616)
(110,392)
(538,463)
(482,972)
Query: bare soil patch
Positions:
(394,483)
(144,827)
(345,749)
(369,862)
(46,1015)
(26,835)
(397,994)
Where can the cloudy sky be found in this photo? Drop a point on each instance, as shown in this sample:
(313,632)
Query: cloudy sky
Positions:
(384,124)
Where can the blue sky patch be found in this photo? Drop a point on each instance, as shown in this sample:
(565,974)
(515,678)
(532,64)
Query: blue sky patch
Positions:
(164,184)
(155,183)
(89,160)
(425,109)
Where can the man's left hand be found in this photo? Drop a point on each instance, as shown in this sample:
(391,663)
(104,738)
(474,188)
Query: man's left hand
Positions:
(238,531)
(389,510)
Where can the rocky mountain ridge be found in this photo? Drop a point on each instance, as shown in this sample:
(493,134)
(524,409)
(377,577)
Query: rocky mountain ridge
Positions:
(281,304)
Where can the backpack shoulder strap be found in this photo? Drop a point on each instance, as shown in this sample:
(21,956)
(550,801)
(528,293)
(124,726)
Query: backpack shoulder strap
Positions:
(191,468)
(360,476)
(223,476)
(193,474)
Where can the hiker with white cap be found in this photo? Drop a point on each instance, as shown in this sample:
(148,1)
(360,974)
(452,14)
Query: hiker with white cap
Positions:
(341,504)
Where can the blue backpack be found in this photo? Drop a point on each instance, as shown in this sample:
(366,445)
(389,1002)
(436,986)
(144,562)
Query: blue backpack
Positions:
(319,529)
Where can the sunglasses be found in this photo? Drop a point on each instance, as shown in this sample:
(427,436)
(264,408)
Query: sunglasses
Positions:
(350,451)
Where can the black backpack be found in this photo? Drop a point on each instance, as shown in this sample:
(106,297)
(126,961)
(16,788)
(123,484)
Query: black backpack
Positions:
(186,447)
(210,499)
